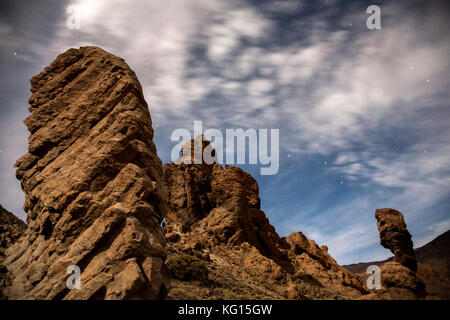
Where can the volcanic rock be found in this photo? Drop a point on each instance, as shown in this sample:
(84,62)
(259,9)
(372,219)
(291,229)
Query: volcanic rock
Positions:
(11,229)
(395,236)
(433,266)
(93,187)
(398,277)
(215,215)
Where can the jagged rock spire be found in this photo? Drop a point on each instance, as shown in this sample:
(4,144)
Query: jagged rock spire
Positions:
(395,236)
(197,151)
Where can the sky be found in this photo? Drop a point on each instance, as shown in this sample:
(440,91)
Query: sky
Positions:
(364,115)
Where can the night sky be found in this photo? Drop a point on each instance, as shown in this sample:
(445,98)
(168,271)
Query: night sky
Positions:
(364,115)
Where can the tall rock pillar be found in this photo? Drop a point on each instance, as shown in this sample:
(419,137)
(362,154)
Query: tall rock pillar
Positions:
(93,186)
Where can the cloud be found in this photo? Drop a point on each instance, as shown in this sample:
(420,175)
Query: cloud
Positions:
(234,25)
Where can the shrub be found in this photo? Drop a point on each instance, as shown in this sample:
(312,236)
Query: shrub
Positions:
(187,268)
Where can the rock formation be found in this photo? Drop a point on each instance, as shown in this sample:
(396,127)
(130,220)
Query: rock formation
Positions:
(96,195)
(401,282)
(398,277)
(395,236)
(215,216)
(11,229)
(93,185)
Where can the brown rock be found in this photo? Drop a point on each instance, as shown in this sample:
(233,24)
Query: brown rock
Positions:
(216,211)
(316,266)
(93,185)
(397,283)
(217,205)
(11,229)
(401,282)
(398,277)
(395,236)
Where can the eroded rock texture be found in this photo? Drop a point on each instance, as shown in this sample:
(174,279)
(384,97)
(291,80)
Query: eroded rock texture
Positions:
(395,236)
(11,229)
(93,185)
(215,216)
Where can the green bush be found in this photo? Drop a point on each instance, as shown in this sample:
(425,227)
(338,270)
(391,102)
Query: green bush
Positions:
(187,268)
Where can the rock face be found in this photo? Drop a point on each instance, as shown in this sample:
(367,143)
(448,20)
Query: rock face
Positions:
(11,229)
(93,185)
(433,266)
(398,277)
(215,216)
(395,236)
(401,282)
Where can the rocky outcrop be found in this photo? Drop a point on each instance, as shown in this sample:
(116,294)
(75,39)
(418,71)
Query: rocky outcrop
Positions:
(398,277)
(11,229)
(217,205)
(395,236)
(215,215)
(433,266)
(93,187)
(315,265)
(96,195)
(397,283)
(401,282)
